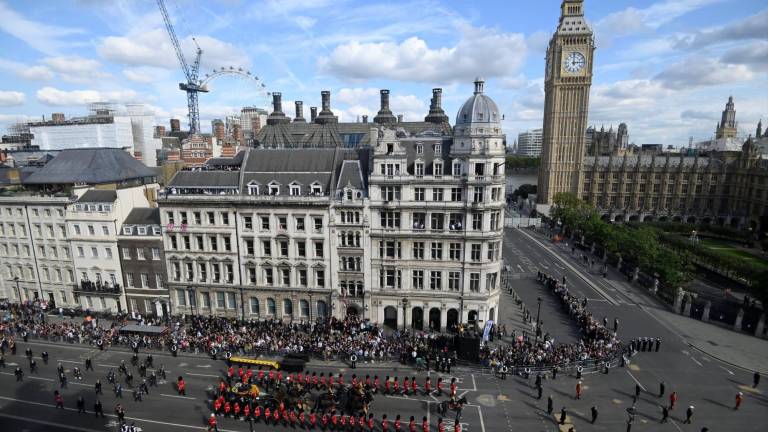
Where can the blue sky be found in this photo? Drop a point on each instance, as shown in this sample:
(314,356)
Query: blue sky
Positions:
(664,67)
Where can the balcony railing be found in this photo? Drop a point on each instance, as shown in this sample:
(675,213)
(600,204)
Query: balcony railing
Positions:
(98,287)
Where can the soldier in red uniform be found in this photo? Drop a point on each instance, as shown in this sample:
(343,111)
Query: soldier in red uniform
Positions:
(343,421)
(312,419)
(181,386)
(236,409)
(424,424)
(387,384)
(368,381)
(222,387)
(276,416)
(334,420)
(440,425)
(267,414)
(406,382)
(227,408)
(314,379)
(260,374)
(439,386)
(371,422)
(257,412)
(217,406)
(414,385)
(398,425)
(324,421)
(292,417)
(341,379)
(331,381)
(352,421)
(322,379)
(412,425)
(453,387)
(376,383)
(302,419)
(396,385)
(427,386)
(246,411)
(212,426)
(384,423)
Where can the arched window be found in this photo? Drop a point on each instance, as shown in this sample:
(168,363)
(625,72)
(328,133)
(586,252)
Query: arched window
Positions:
(322,309)
(254,306)
(287,307)
(271,309)
(304,308)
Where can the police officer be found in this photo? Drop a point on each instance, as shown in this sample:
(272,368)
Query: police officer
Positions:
(97,386)
(80,404)
(88,364)
(149,361)
(19,373)
(98,409)
(32,366)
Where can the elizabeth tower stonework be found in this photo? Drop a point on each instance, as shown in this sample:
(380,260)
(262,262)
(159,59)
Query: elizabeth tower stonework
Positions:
(568,77)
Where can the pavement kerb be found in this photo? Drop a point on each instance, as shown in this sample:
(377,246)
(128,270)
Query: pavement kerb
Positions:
(762,372)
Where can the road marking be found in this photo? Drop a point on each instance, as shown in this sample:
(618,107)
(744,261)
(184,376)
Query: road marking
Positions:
(204,366)
(188,427)
(698,363)
(675,425)
(175,396)
(482,423)
(462,395)
(204,375)
(706,359)
(686,352)
(638,382)
(731,373)
(474,384)
(47,423)
(70,361)
(107,365)
(521,268)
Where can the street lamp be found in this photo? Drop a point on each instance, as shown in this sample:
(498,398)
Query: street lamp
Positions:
(538,314)
(192,300)
(18,290)
(405,304)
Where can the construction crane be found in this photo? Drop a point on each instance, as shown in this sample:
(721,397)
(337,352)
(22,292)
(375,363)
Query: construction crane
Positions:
(193,85)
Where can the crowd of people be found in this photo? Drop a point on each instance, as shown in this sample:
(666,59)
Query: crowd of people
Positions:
(597,341)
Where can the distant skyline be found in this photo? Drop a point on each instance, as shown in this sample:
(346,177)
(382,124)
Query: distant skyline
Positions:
(665,67)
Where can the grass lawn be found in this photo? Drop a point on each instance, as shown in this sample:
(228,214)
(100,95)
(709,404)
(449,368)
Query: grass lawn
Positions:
(733,251)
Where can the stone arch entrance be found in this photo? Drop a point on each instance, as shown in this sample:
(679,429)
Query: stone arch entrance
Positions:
(472,317)
(492,314)
(417,318)
(663,219)
(634,218)
(390,317)
(691,219)
(619,218)
(353,311)
(647,218)
(434,319)
(452,319)
(677,219)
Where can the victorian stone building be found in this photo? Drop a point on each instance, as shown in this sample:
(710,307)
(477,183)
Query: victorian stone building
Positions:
(720,187)
(397,222)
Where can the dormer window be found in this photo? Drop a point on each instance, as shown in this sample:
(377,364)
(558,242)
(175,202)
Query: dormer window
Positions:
(437,169)
(253,188)
(316,189)
(419,169)
(390,148)
(438,149)
(142,230)
(349,194)
(156,230)
(274,189)
(419,149)
(295,190)
(127,230)
(480,116)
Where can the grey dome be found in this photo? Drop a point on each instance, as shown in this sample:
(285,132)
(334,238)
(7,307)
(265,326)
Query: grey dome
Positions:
(479,109)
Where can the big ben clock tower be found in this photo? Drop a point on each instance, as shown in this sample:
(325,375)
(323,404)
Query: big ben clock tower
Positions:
(568,77)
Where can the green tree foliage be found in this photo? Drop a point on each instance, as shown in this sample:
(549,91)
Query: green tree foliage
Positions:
(521,162)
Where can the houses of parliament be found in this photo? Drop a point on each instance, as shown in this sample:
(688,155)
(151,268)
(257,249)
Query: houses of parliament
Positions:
(723,187)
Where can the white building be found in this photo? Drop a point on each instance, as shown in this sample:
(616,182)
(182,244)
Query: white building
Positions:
(107,126)
(529,143)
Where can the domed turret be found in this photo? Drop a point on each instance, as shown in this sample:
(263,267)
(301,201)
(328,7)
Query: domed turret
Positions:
(479,115)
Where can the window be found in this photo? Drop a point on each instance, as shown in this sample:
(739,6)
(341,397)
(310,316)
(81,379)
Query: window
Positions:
(475,252)
(216,272)
(417,278)
(129,279)
(316,189)
(176,271)
(229,273)
(478,194)
(456,194)
(140,253)
(144,280)
(126,253)
(221,301)
(187,242)
(477,221)
(105,230)
(249,249)
(490,282)
(495,221)
(271,309)
(419,221)
(214,243)
(283,248)
(438,169)
(248,222)
(437,194)
(419,169)
(200,242)
(304,308)
(302,277)
(91,230)
(285,276)
(389,249)
(158,281)
(493,251)
(274,189)
(301,248)
(320,278)
(318,223)
(287,307)
(418,194)
(390,219)
(108,251)
(189,271)
(456,169)
(390,278)
(437,251)
(318,249)
(251,275)
(227,243)
(94,252)
(265,223)
(419,148)
(282,223)
(418,250)
(437,221)
(253,189)
(266,245)
(181,297)
(155,253)
(254,305)
(211,218)
(171,220)
(454,280)
(435,280)
(142,230)
(268,279)
(77,229)
(300,224)
(197,218)
(474,282)
(390,193)
(455,251)
(231,300)
(295,190)
(455,222)
(206,300)
(174,244)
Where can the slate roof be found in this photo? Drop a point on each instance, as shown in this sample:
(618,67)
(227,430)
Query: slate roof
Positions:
(143,216)
(290,160)
(98,196)
(194,179)
(90,166)
(351,174)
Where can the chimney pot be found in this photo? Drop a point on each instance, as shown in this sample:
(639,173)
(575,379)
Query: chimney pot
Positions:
(299,111)
(399,118)
(365,119)
(325,97)
(312,113)
(277,102)
(384,100)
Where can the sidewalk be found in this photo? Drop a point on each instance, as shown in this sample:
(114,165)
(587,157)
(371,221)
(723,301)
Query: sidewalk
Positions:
(741,350)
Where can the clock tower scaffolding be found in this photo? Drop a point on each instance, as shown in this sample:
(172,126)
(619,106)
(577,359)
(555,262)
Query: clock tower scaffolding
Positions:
(568,78)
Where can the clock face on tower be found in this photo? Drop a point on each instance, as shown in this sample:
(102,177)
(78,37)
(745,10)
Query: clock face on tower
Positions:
(574,62)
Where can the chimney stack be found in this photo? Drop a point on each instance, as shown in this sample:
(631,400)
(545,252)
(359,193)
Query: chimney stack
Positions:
(326,115)
(277,116)
(312,114)
(399,118)
(365,119)
(436,113)
(384,115)
(299,112)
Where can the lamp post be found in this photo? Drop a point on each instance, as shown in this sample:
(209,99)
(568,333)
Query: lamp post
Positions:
(538,314)
(18,290)
(405,305)
(192,300)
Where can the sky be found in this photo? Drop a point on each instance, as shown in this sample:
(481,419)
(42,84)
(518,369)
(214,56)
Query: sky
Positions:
(663,67)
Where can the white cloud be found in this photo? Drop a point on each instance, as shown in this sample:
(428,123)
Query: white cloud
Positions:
(145,74)
(36,73)
(45,38)
(76,69)
(633,20)
(699,71)
(360,101)
(305,22)
(754,55)
(57,97)
(11,98)
(481,51)
(153,48)
(753,27)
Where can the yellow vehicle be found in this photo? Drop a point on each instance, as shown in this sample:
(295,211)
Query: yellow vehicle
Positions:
(255,362)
